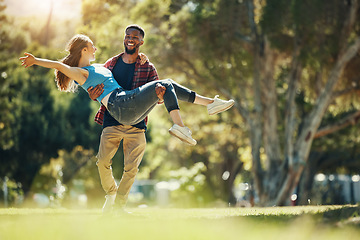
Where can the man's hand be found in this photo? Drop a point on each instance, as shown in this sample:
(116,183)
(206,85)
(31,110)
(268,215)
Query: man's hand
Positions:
(143,58)
(160,91)
(95,92)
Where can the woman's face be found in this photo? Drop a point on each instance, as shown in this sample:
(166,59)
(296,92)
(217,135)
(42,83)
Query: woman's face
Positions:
(91,49)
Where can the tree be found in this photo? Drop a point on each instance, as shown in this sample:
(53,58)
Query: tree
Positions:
(282,61)
(299,137)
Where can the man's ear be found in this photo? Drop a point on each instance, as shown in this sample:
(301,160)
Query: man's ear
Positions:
(141,42)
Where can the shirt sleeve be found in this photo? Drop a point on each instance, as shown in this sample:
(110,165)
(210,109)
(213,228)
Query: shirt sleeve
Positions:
(99,117)
(153,75)
(107,63)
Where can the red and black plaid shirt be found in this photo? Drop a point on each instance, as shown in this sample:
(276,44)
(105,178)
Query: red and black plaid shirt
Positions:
(143,74)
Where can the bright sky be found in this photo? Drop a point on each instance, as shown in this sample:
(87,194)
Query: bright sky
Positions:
(66,9)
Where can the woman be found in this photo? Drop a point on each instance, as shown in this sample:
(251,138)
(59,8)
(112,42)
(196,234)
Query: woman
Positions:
(127,107)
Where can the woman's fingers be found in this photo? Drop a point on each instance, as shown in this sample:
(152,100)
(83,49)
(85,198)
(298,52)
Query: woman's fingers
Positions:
(25,59)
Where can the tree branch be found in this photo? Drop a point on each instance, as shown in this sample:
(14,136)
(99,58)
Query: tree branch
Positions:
(312,121)
(346,121)
(348,24)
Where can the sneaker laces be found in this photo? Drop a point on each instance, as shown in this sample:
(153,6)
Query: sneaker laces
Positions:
(216,99)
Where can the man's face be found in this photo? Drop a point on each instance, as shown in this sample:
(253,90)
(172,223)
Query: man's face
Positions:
(132,41)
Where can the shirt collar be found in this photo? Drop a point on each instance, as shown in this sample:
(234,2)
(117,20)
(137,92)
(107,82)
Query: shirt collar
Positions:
(138,59)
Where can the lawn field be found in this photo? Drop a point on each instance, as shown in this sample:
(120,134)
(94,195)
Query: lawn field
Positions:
(295,223)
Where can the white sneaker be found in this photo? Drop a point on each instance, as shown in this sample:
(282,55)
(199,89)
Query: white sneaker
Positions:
(219,105)
(109,204)
(183,133)
(121,212)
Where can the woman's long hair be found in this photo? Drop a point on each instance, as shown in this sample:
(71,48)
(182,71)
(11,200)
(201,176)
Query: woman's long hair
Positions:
(74,47)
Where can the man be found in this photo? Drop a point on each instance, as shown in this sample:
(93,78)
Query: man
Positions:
(129,73)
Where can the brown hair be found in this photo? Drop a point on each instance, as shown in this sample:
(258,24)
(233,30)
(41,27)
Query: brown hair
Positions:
(74,47)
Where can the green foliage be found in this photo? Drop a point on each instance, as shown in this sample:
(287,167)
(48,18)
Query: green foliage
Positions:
(35,120)
(204,45)
(192,189)
(314,25)
(94,11)
(72,171)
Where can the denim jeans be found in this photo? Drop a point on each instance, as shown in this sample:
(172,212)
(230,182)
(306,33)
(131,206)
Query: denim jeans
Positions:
(131,107)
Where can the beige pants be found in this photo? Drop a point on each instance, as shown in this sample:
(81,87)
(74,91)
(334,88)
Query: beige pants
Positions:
(134,147)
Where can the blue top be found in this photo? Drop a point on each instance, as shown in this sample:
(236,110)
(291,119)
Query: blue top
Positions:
(97,75)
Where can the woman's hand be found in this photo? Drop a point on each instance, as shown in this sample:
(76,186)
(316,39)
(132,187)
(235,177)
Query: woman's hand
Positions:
(28,60)
(74,73)
(143,58)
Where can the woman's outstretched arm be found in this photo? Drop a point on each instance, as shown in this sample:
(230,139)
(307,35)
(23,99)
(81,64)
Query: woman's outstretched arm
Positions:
(74,73)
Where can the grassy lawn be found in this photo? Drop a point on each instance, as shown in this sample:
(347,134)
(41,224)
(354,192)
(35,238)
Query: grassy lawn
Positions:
(311,222)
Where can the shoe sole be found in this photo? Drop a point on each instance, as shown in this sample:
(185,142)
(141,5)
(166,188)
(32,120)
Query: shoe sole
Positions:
(222,109)
(179,135)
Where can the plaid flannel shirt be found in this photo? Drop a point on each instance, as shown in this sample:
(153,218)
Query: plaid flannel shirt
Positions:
(143,74)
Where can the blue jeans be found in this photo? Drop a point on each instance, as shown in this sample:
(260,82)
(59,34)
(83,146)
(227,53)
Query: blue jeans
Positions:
(131,107)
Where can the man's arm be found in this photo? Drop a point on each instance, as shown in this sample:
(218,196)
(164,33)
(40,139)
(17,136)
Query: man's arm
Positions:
(153,75)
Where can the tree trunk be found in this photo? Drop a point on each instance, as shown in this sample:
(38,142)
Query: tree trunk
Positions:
(256,115)
(311,124)
(307,180)
(276,186)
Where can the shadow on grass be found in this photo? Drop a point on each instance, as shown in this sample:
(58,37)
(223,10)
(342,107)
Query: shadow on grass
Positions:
(348,215)
(344,216)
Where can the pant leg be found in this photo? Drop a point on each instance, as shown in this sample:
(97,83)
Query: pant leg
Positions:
(183,93)
(109,144)
(147,94)
(134,143)
(131,107)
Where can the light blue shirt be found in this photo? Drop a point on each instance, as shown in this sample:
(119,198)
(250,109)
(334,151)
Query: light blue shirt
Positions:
(97,75)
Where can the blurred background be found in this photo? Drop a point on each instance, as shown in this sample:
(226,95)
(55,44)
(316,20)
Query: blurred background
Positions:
(292,137)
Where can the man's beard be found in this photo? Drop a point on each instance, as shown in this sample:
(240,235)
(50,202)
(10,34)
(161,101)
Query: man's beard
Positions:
(132,51)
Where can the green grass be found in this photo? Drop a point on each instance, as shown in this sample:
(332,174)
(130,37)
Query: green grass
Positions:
(311,222)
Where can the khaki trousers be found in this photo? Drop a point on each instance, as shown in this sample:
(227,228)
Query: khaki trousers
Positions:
(134,143)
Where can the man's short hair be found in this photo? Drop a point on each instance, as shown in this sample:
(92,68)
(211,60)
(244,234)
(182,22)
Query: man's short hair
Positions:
(137,27)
